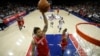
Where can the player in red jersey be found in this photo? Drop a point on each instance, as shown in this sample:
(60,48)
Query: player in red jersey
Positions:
(20,22)
(57,11)
(64,38)
(39,39)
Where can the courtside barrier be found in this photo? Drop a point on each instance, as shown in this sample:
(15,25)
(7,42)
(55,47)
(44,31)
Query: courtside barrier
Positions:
(13,17)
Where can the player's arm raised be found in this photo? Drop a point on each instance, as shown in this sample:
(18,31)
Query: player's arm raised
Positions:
(45,23)
(33,48)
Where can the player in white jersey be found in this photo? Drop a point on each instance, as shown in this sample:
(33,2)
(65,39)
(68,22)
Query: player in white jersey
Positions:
(61,22)
(51,18)
(51,23)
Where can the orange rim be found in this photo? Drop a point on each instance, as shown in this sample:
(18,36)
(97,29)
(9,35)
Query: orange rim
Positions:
(87,37)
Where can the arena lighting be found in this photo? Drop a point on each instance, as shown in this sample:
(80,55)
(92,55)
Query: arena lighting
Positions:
(85,36)
(68,52)
(10,53)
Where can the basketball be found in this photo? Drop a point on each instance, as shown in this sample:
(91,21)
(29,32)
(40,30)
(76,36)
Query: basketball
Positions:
(43,5)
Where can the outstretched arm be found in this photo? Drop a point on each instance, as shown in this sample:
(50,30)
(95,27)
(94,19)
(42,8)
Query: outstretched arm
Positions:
(33,48)
(45,22)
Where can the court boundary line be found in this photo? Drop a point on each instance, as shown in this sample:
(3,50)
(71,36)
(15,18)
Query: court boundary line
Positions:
(80,51)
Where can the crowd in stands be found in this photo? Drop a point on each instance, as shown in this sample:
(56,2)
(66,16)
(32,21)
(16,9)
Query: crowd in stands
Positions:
(90,11)
(11,9)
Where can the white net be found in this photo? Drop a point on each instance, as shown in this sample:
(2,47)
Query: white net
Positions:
(89,48)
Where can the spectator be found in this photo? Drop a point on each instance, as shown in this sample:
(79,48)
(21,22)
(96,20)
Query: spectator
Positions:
(1,24)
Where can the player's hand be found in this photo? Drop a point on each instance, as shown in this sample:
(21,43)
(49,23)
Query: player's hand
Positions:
(42,12)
